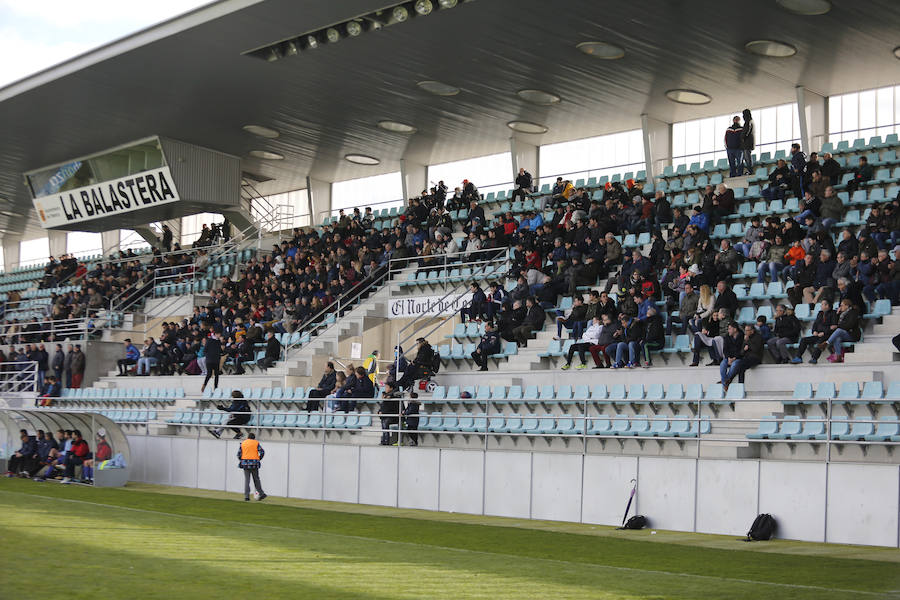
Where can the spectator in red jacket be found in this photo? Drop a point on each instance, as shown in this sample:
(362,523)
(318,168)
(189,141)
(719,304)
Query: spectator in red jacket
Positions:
(79,453)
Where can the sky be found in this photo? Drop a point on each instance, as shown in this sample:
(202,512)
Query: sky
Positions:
(43,33)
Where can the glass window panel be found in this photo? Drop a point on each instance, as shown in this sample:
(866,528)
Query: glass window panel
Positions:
(707,135)
(897,105)
(795,122)
(784,120)
(487,172)
(767,126)
(834,114)
(365,191)
(678,139)
(692,137)
(83,243)
(885,106)
(295,202)
(129,238)
(592,157)
(34,251)
(867,109)
(850,113)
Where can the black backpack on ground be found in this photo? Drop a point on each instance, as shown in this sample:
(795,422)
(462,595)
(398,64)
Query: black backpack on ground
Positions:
(763,528)
(635,522)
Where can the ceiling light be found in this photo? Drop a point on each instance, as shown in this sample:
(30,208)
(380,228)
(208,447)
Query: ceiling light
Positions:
(538,97)
(353,28)
(527,127)
(311,42)
(396,127)
(688,97)
(805,7)
(438,89)
(602,50)
(770,48)
(399,14)
(259,130)
(447,3)
(272,55)
(423,7)
(362,159)
(291,48)
(332,35)
(897,51)
(266,155)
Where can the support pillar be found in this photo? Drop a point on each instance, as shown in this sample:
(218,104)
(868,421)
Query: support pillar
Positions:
(319,193)
(413,178)
(813,112)
(110,241)
(11,252)
(527,156)
(57,242)
(657,145)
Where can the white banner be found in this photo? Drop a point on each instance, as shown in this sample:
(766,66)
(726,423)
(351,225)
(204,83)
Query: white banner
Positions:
(126,194)
(431,306)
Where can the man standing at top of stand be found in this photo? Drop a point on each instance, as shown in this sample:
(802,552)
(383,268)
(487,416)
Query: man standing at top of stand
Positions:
(733,146)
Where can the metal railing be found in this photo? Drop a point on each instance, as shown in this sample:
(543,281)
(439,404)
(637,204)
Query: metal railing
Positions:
(20,378)
(55,330)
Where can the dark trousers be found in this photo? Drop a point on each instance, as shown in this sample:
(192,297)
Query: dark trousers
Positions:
(518,193)
(19,463)
(734,161)
(311,404)
(124,363)
(386,423)
(254,473)
(522,333)
(812,342)
(581,348)
(71,462)
(480,359)
(411,426)
(238,419)
(212,369)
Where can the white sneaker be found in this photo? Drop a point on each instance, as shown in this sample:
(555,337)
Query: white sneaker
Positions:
(66,480)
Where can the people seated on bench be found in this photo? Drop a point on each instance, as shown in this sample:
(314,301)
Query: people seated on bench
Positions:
(273,351)
(149,357)
(742,352)
(786,331)
(847,330)
(104,452)
(51,390)
(22,459)
(589,338)
(45,445)
(75,457)
(240,414)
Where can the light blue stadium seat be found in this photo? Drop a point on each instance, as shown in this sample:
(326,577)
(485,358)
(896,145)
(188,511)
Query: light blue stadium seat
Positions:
(790,426)
(885,430)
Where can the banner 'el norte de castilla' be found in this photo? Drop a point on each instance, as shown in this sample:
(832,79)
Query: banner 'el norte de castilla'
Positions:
(110,198)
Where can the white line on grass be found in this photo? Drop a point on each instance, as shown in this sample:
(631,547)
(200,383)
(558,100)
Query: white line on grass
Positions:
(452,549)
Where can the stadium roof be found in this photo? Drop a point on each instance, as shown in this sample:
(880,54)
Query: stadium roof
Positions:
(189,79)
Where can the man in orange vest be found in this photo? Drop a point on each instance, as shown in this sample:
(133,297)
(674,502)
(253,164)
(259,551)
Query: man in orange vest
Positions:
(250,455)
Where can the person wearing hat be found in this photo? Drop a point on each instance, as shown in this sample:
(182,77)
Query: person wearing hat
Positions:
(250,456)
(699,219)
(132,354)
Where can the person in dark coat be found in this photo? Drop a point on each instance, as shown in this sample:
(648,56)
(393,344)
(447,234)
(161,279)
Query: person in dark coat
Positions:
(475,309)
(786,331)
(363,388)
(654,335)
(212,355)
(389,411)
(489,345)
(534,320)
(823,327)
(273,351)
(324,388)
(751,354)
(847,330)
(523,185)
(748,142)
(240,415)
(411,419)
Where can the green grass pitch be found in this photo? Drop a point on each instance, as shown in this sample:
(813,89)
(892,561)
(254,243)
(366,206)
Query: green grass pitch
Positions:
(155,542)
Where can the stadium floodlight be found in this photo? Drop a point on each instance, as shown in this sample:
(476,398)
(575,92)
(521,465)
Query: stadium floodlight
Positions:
(399,14)
(438,88)
(423,7)
(805,7)
(354,28)
(272,55)
(311,42)
(396,127)
(332,35)
(266,155)
(539,97)
(292,48)
(602,50)
(447,3)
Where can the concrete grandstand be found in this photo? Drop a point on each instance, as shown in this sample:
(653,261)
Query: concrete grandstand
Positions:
(648,218)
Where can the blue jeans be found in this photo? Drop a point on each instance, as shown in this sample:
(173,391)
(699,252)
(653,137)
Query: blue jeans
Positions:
(632,347)
(828,223)
(743,248)
(806,213)
(734,161)
(144,364)
(577,327)
(736,369)
(773,268)
(837,338)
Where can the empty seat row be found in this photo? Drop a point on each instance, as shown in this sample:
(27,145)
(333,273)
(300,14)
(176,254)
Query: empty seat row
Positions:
(455,351)
(871,392)
(130,416)
(123,394)
(885,429)
(278,420)
(566,394)
(602,425)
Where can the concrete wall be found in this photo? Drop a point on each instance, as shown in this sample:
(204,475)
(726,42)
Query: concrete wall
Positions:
(841,503)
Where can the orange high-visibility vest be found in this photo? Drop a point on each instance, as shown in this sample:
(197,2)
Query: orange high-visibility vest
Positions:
(250,450)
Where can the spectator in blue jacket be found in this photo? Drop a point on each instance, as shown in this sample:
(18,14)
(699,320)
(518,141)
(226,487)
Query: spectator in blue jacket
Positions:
(132,354)
(23,458)
(489,345)
(700,219)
